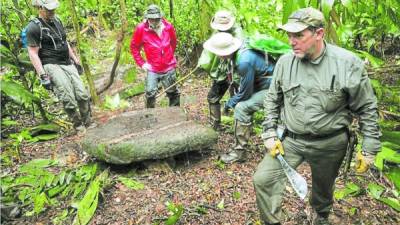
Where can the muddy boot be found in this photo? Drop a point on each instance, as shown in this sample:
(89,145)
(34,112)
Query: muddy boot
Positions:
(215,116)
(321,219)
(150,102)
(76,120)
(238,152)
(84,109)
(174,99)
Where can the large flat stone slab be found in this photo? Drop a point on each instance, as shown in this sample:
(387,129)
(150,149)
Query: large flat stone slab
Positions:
(147,134)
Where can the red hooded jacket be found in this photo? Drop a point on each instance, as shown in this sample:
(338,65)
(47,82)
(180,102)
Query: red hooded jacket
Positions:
(159,50)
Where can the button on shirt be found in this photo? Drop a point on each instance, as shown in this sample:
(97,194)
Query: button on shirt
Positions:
(319,96)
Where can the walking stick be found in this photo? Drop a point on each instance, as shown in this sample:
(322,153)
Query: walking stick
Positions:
(177,82)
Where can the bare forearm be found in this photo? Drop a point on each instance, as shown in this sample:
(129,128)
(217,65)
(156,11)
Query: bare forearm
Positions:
(72,55)
(37,63)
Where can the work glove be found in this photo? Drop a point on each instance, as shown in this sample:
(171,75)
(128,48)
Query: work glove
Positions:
(274,146)
(45,81)
(146,67)
(364,161)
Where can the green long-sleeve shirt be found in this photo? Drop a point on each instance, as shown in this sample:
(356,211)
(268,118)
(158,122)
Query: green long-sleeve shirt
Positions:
(317,97)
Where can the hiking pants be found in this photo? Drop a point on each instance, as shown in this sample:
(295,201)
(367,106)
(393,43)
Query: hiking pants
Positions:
(166,79)
(67,84)
(324,157)
(244,110)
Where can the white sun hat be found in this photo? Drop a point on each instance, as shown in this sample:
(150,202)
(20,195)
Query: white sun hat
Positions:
(222,44)
(222,21)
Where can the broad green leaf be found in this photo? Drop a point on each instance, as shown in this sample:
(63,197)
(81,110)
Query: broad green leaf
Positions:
(6,122)
(115,102)
(375,62)
(391,136)
(88,205)
(392,202)
(46,137)
(327,7)
(386,154)
(39,202)
(131,183)
(51,127)
(350,189)
(394,175)
(288,7)
(56,190)
(176,212)
(375,190)
(133,91)
(391,145)
(37,163)
(18,93)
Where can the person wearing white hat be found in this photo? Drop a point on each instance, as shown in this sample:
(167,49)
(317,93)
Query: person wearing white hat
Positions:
(255,77)
(56,63)
(222,79)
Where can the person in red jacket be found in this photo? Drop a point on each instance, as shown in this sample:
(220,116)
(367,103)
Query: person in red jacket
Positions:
(158,39)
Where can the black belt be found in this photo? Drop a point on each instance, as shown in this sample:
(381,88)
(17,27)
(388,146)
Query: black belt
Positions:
(313,136)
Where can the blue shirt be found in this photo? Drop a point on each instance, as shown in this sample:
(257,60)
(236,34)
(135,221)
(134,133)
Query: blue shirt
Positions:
(255,75)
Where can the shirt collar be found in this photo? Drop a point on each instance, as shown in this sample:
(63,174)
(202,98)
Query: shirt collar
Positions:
(319,59)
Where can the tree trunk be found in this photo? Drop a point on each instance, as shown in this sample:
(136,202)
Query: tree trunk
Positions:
(171,10)
(88,75)
(120,41)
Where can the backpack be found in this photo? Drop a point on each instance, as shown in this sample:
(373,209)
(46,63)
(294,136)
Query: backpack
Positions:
(271,47)
(24,39)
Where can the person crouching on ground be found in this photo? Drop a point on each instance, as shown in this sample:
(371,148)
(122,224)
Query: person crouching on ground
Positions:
(255,77)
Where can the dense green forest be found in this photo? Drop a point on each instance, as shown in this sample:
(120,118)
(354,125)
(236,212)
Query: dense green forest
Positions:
(47,179)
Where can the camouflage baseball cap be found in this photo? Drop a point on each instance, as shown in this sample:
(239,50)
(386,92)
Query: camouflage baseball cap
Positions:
(153,12)
(303,18)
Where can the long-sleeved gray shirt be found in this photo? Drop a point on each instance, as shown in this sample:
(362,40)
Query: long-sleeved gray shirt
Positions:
(317,97)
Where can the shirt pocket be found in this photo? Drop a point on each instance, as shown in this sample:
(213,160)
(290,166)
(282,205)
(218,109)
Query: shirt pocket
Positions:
(331,100)
(291,93)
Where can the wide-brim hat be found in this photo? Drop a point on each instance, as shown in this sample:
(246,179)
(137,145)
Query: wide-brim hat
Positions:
(222,21)
(222,44)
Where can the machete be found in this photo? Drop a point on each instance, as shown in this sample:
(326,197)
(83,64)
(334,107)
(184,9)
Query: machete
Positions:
(298,182)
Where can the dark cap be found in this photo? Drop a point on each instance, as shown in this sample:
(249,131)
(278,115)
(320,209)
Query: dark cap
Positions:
(303,18)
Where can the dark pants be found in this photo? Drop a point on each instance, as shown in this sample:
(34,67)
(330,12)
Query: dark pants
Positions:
(324,157)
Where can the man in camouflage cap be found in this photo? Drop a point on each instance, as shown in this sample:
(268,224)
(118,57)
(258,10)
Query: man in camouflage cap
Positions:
(314,91)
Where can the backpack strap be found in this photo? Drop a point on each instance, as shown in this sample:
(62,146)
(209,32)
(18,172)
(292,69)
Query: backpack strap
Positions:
(39,23)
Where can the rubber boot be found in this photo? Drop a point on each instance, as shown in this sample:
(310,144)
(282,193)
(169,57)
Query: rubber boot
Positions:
(215,116)
(150,102)
(321,219)
(76,120)
(84,109)
(174,99)
(238,152)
